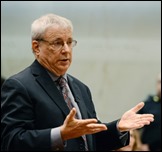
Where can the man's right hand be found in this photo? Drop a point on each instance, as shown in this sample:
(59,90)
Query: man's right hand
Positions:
(73,128)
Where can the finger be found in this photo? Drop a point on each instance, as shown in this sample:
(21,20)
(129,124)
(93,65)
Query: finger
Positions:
(138,107)
(145,122)
(94,128)
(72,114)
(149,117)
(142,123)
(146,115)
(87,121)
(97,126)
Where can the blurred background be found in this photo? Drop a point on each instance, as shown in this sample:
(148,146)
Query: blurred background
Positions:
(118,54)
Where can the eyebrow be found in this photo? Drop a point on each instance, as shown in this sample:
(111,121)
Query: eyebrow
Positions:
(60,39)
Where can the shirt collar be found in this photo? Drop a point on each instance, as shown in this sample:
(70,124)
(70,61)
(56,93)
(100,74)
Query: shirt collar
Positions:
(54,77)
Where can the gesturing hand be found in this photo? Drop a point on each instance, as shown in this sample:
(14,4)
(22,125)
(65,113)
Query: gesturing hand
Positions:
(73,128)
(130,120)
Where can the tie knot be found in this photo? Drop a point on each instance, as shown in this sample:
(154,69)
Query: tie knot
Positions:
(61,82)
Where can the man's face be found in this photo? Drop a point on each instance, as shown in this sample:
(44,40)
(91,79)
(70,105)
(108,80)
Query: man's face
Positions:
(54,52)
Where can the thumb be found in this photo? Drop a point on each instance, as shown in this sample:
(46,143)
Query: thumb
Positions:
(72,114)
(138,107)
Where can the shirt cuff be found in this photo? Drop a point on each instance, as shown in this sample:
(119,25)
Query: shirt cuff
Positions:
(56,140)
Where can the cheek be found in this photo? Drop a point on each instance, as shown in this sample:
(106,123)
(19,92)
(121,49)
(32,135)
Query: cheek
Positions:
(48,55)
(70,57)
(53,59)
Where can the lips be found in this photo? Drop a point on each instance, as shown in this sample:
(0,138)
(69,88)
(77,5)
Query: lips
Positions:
(64,59)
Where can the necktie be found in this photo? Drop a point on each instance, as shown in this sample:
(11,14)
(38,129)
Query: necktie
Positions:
(65,91)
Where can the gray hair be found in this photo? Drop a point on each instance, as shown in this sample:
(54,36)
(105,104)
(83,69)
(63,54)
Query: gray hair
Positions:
(39,26)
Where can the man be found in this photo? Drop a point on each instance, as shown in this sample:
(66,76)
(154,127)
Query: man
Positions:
(151,135)
(35,115)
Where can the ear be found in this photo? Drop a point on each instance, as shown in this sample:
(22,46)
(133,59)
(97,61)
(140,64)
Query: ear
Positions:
(35,47)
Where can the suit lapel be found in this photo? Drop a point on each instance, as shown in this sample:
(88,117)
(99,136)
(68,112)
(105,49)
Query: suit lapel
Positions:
(49,86)
(78,97)
(81,103)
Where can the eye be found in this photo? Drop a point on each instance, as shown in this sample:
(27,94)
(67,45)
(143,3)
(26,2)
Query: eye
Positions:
(58,43)
(69,42)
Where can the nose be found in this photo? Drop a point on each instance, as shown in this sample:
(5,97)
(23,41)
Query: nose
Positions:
(66,48)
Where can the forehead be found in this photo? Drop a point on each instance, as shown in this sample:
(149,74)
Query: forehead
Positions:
(58,32)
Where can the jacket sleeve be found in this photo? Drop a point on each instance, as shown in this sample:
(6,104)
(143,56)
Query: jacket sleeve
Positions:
(111,139)
(17,120)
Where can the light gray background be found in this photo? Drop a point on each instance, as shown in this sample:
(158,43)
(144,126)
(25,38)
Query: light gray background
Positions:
(118,54)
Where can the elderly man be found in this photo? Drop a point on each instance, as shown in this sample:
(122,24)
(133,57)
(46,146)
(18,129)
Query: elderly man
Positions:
(45,108)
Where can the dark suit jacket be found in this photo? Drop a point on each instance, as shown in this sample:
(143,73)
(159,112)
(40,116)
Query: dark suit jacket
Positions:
(32,105)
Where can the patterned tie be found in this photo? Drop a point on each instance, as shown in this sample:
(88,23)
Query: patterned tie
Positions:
(62,83)
(65,92)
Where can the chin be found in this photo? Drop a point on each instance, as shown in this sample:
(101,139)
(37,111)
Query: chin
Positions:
(62,72)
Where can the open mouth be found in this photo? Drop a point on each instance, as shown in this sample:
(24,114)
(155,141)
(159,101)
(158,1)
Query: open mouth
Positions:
(64,59)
